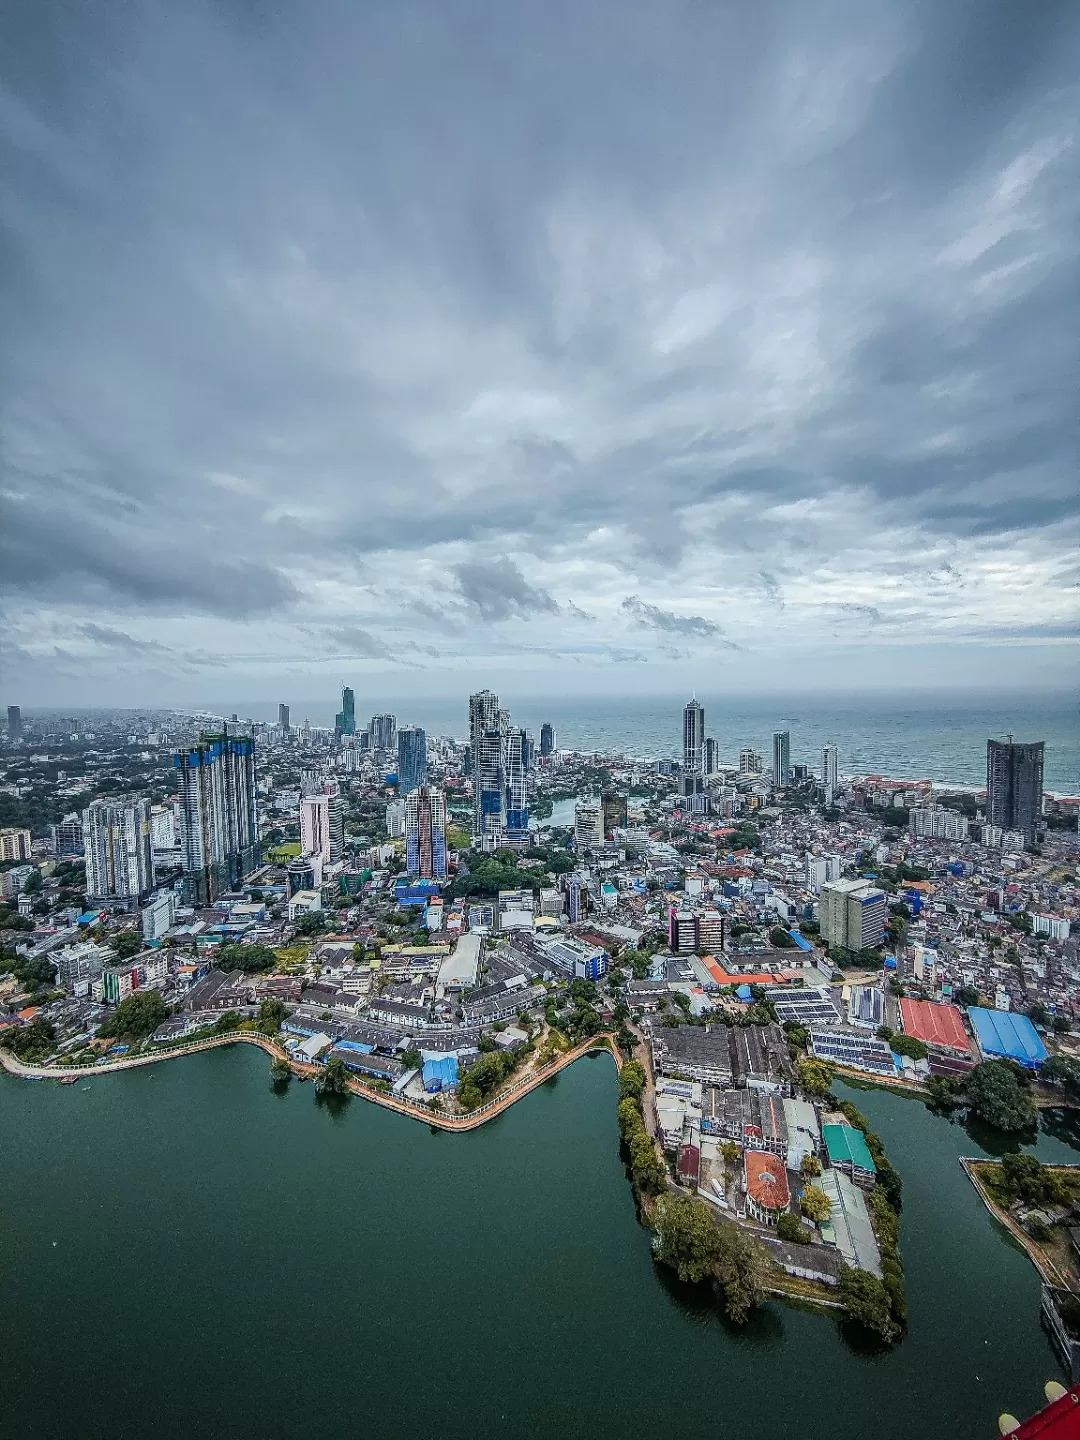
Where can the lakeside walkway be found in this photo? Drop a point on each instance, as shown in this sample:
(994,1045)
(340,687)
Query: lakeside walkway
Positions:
(414,1109)
(1044,1264)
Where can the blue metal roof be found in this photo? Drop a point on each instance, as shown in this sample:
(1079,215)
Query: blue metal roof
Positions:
(1000,1033)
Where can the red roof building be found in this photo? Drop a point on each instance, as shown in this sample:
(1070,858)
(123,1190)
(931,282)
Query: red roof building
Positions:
(940,1026)
(767,1193)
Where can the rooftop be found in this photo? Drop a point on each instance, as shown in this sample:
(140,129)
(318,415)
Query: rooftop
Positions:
(766,1180)
(934,1024)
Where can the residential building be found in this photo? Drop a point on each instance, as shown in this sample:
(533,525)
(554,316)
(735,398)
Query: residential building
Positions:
(830,772)
(487,728)
(852,914)
(613,806)
(283,718)
(159,915)
(116,841)
(1014,785)
(693,738)
(750,761)
(15,844)
(315,826)
(14,723)
(80,964)
(218,816)
(303,903)
(547,740)
(935,822)
(682,930)
(821,870)
(1056,926)
(412,759)
(12,881)
(588,826)
(383,732)
(516,770)
(425,833)
(781,758)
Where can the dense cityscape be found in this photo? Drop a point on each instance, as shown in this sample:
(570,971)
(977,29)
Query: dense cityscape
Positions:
(439,923)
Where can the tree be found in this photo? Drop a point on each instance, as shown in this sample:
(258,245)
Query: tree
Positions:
(280,1070)
(31,1043)
(312,923)
(866,1301)
(810,1166)
(412,1059)
(816,1205)
(332,1078)
(731,1153)
(815,1077)
(789,1228)
(632,1079)
(1024,1178)
(741,1266)
(996,1094)
(271,1014)
(781,938)
(686,1237)
(136,1017)
(126,944)
(234,956)
(908,1045)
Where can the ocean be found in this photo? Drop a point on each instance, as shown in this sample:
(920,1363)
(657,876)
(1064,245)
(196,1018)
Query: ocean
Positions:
(904,736)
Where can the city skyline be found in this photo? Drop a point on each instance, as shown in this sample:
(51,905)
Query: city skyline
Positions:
(754,355)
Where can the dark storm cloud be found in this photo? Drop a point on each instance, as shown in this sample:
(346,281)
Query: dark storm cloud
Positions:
(653,618)
(303,298)
(499,591)
(118,639)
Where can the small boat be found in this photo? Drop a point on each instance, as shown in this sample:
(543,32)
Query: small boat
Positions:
(69,1080)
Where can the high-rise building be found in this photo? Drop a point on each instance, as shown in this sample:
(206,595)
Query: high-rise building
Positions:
(1014,785)
(613,806)
(315,826)
(693,738)
(830,772)
(15,844)
(547,740)
(852,914)
(712,761)
(588,826)
(116,842)
(283,717)
(425,833)
(412,759)
(67,837)
(781,758)
(218,817)
(934,822)
(517,779)
(14,722)
(486,752)
(750,761)
(383,732)
(345,719)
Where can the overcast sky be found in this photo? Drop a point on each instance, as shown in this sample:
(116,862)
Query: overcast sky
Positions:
(592,345)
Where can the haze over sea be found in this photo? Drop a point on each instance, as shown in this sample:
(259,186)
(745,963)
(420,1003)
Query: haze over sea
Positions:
(904,735)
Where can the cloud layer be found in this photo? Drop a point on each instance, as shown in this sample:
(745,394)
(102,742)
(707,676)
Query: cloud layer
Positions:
(534,338)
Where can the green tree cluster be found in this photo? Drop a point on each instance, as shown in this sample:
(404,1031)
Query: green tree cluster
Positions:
(999,1092)
(1024,1178)
(866,1301)
(31,1043)
(234,956)
(271,1014)
(126,943)
(686,1237)
(484,1076)
(136,1017)
(647,1170)
(789,1228)
(781,938)
(332,1077)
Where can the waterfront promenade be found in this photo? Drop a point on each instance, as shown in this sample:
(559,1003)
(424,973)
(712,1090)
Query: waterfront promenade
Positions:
(414,1109)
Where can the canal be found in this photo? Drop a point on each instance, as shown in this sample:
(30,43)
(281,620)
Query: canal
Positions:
(184,1252)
